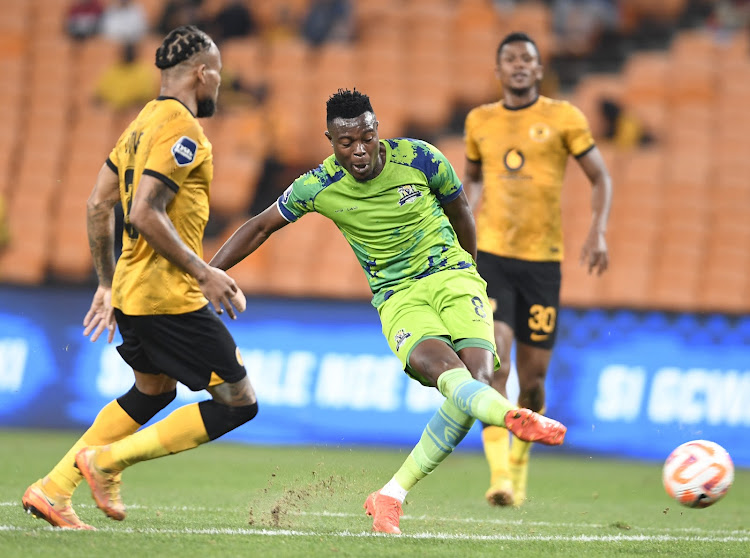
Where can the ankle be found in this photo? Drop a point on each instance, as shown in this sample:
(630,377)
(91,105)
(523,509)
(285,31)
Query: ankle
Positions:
(104,461)
(53,490)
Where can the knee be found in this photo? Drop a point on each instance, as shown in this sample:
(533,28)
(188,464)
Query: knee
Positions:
(141,407)
(220,419)
(482,375)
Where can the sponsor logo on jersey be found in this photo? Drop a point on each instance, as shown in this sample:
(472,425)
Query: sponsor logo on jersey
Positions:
(540,132)
(513,159)
(400,337)
(408,193)
(183,151)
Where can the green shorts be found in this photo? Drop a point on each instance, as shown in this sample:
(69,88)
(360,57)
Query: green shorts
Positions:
(449,305)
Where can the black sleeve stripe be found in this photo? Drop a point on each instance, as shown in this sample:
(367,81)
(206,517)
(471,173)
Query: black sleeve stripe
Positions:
(111,165)
(593,145)
(171,184)
(474,160)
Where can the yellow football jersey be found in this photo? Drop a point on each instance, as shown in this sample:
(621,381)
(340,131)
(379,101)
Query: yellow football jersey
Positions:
(523,153)
(165,141)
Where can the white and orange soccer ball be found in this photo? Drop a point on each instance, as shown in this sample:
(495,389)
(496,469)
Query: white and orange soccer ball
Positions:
(698,473)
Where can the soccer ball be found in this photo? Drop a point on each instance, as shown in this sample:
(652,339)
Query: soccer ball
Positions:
(698,473)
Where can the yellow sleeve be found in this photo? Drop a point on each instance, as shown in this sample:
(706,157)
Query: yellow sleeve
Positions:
(113,160)
(577,134)
(175,153)
(472,149)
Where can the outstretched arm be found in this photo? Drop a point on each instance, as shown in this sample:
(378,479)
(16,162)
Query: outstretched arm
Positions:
(100,224)
(462,219)
(248,238)
(594,253)
(149,216)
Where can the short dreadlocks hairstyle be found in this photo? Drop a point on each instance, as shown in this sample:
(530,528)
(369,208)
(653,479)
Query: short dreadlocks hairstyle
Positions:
(514,38)
(347,104)
(180,44)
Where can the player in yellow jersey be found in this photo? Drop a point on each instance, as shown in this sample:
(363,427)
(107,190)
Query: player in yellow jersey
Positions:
(517,150)
(160,293)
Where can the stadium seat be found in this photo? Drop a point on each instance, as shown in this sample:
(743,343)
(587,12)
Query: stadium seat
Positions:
(335,271)
(591,91)
(645,77)
(296,249)
(69,260)
(454,149)
(24,260)
(626,283)
(693,45)
(244,57)
(252,273)
(235,180)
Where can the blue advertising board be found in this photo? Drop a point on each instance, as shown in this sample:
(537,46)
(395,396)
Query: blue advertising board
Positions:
(625,383)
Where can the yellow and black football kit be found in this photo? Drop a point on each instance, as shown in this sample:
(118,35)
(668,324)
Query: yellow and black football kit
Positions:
(161,312)
(165,141)
(523,152)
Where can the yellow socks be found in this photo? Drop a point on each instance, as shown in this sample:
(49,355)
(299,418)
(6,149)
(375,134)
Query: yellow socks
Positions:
(496,441)
(181,430)
(519,467)
(112,423)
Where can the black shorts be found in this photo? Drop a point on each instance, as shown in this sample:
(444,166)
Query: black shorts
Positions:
(187,347)
(525,295)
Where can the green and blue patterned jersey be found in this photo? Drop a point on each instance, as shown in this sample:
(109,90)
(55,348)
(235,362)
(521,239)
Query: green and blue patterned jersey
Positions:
(395,222)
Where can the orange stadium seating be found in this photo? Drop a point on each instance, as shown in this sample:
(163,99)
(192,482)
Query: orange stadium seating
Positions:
(678,228)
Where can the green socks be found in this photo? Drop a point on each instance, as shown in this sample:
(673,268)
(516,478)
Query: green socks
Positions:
(473,397)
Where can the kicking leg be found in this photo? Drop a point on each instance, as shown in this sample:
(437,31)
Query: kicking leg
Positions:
(443,433)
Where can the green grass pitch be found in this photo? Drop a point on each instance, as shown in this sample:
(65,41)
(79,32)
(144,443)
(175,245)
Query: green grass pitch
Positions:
(226,499)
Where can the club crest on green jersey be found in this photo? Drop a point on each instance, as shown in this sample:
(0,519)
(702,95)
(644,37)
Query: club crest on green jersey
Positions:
(408,194)
(400,337)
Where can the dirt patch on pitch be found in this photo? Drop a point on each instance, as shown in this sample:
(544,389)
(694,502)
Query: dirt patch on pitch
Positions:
(270,509)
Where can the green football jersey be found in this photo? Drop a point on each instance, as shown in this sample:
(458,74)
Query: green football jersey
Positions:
(394,223)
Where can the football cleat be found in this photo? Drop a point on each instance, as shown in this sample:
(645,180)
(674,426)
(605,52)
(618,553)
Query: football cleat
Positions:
(529,426)
(105,485)
(385,511)
(58,513)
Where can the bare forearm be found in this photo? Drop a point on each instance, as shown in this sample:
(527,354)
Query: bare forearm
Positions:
(474,193)
(467,234)
(100,224)
(462,220)
(240,245)
(157,229)
(601,201)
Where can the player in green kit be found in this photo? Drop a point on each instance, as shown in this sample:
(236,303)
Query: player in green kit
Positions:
(403,210)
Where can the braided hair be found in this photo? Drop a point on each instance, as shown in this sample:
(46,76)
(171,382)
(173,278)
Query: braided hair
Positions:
(347,104)
(180,44)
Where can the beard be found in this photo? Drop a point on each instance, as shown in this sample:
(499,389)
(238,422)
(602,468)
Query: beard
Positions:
(520,91)
(206,108)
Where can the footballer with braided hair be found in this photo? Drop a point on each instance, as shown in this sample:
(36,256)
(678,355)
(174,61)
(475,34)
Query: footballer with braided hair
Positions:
(161,294)
(404,212)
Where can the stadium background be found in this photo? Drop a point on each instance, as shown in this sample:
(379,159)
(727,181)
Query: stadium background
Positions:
(650,355)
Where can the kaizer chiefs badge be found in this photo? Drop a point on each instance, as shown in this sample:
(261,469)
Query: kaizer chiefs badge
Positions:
(539,132)
(513,159)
